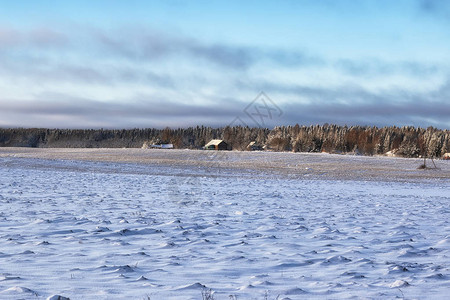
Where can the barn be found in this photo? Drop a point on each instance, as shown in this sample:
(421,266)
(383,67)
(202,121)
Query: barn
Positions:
(254,146)
(216,145)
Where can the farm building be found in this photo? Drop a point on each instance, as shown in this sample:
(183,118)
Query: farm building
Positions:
(446,156)
(216,145)
(162,146)
(253,146)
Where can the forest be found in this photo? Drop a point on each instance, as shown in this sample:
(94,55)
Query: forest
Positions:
(364,140)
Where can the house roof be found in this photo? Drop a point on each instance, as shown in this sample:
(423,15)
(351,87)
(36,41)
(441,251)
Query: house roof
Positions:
(214,143)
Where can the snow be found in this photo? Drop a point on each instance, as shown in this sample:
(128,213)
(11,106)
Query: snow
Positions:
(130,230)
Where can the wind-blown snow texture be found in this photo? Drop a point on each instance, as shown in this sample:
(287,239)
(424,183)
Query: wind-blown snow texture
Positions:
(105,230)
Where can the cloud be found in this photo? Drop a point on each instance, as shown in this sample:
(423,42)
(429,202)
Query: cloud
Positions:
(386,114)
(165,71)
(11,39)
(148,45)
(233,57)
(41,70)
(376,67)
(157,45)
(360,107)
(44,37)
(144,45)
(353,105)
(138,44)
(141,111)
(91,56)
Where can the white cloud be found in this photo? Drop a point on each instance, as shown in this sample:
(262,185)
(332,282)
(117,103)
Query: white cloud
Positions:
(131,77)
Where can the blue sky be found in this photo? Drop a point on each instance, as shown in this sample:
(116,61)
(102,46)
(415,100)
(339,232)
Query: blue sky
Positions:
(123,64)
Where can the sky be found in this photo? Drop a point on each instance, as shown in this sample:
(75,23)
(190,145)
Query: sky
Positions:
(140,64)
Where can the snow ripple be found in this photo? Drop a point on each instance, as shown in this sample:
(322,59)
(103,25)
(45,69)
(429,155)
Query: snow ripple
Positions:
(124,235)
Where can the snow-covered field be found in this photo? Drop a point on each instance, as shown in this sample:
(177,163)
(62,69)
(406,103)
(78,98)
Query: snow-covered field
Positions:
(168,225)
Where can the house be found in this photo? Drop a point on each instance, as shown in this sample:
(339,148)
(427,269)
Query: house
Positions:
(253,146)
(268,148)
(216,145)
(446,156)
(392,153)
(161,146)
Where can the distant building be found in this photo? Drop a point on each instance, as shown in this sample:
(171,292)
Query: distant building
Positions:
(446,156)
(253,146)
(162,146)
(392,153)
(216,145)
(268,148)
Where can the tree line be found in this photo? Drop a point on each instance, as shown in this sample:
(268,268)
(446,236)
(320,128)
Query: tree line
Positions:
(365,140)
